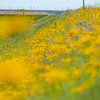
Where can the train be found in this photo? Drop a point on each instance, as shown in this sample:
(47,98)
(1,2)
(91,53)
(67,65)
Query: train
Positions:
(30,12)
(22,13)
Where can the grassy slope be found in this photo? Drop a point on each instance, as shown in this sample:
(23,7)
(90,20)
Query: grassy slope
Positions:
(92,94)
(17,42)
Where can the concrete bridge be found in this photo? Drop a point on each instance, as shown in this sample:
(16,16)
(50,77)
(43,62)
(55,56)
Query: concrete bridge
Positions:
(30,12)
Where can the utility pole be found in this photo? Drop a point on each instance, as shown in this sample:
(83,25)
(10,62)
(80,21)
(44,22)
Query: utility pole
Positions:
(83,3)
(30,8)
(62,8)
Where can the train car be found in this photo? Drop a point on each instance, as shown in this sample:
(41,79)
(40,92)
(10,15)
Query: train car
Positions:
(22,13)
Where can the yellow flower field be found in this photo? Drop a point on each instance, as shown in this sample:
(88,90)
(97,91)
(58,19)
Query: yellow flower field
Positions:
(58,62)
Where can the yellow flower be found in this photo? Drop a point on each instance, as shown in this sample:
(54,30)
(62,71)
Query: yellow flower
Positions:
(66,60)
(84,39)
(90,50)
(56,75)
(77,73)
(59,39)
(13,71)
(79,89)
(73,32)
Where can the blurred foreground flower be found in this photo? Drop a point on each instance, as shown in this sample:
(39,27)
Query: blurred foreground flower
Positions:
(12,25)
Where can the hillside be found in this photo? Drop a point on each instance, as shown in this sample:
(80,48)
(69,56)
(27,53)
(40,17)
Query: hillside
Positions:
(57,58)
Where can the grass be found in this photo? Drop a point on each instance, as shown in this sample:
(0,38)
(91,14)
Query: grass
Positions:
(17,39)
(54,48)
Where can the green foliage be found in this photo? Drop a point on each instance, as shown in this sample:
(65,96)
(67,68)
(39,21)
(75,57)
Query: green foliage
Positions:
(22,10)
